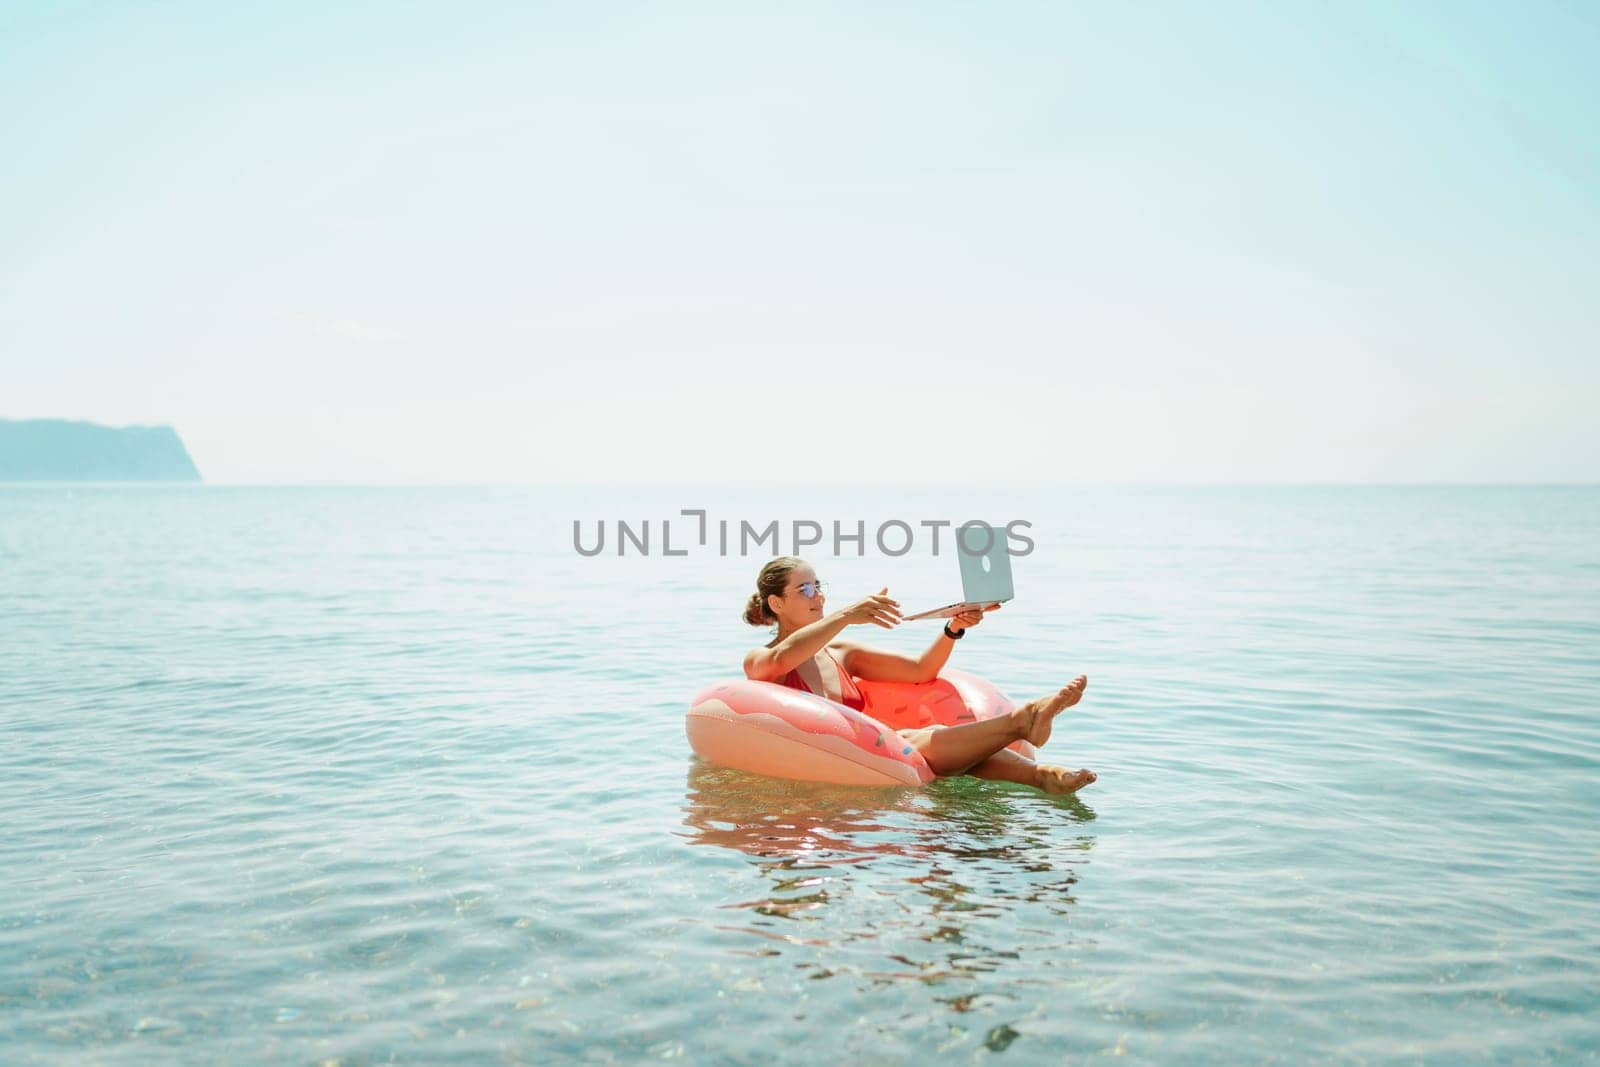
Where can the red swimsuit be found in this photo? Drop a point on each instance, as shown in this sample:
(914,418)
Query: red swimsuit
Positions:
(847,685)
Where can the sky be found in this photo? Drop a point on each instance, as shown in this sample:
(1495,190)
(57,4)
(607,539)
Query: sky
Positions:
(831,243)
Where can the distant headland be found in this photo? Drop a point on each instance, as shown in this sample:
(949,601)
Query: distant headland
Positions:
(68,451)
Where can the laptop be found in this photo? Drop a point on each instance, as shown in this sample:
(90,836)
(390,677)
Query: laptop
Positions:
(985,579)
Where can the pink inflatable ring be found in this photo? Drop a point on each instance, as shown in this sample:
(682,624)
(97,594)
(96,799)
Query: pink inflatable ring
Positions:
(774,730)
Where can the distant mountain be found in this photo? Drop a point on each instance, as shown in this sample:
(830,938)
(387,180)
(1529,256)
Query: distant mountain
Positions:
(63,450)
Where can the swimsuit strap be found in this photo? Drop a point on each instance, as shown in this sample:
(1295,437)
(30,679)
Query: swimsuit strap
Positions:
(794,681)
(845,680)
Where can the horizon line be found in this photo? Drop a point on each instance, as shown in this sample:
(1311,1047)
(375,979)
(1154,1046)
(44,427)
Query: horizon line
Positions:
(954,486)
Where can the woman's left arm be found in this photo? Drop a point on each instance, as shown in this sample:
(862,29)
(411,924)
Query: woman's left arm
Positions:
(878,665)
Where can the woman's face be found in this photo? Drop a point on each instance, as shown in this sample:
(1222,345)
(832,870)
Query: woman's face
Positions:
(794,609)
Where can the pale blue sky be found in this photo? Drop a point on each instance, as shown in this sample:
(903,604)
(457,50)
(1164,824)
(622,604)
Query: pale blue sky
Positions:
(1086,242)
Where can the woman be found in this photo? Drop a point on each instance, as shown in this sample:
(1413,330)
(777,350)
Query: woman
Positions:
(805,656)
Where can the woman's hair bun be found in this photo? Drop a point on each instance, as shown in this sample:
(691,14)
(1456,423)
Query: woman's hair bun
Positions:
(756,612)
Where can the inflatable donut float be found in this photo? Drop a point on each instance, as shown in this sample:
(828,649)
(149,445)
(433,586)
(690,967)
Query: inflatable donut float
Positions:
(771,729)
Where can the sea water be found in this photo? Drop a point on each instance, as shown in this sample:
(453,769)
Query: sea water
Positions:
(400,775)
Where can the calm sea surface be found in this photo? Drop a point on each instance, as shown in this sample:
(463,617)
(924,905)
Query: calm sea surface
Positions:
(305,775)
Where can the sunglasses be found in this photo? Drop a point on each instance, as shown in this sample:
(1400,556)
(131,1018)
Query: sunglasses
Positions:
(810,589)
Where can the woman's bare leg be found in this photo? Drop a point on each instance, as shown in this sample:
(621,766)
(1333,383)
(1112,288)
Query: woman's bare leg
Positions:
(1009,766)
(957,749)
(1013,767)
(953,749)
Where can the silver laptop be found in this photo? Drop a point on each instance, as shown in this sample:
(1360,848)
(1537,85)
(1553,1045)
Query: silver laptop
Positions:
(985,579)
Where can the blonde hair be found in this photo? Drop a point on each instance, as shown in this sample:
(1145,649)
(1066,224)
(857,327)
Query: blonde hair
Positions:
(770,582)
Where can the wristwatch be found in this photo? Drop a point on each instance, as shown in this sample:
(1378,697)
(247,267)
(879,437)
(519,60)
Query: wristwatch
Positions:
(954,636)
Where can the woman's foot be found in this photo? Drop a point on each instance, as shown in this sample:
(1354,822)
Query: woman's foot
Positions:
(1035,717)
(1061,780)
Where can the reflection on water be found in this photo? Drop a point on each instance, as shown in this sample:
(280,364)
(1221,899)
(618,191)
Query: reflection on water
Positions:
(953,882)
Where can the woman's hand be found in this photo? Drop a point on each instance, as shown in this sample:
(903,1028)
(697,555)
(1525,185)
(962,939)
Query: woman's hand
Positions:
(969,619)
(878,608)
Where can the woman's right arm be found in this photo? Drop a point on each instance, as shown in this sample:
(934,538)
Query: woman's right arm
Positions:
(770,664)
